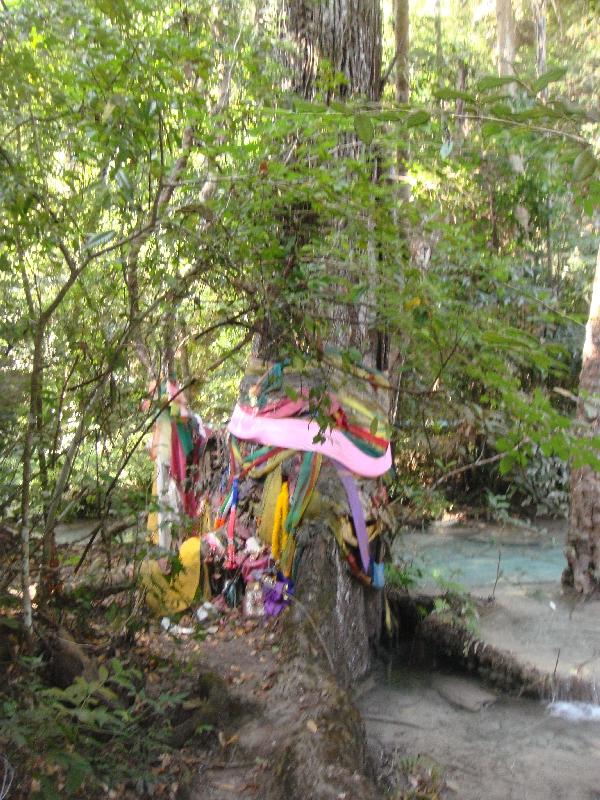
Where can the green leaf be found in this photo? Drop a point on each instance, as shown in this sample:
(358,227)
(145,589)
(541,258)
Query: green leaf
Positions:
(10,622)
(453,94)
(418,118)
(341,108)
(79,769)
(98,239)
(364,128)
(494,81)
(124,183)
(584,166)
(551,76)
(48,790)
(355,355)
(489,129)
(291,392)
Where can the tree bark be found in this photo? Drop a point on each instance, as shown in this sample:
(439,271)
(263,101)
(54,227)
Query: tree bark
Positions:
(539,15)
(402,39)
(331,605)
(25,522)
(439,46)
(583,541)
(346,33)
(461,85)
(507,40)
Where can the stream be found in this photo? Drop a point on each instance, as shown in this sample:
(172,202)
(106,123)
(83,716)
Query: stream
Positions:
(488,746)
(474,554)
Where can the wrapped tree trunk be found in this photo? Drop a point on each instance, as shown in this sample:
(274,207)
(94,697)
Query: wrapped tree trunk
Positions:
(583,542)
(334,616)
(332,511)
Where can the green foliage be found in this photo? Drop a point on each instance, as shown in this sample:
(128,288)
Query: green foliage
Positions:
(456,604)
(92,735)
(164,192)
(421,778)
(402,576)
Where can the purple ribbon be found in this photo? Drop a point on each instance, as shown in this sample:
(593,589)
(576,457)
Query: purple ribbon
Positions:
(358,516)
(276,597)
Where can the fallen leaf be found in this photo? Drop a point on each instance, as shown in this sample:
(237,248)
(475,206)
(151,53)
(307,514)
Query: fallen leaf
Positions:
(195,702)
(312,726)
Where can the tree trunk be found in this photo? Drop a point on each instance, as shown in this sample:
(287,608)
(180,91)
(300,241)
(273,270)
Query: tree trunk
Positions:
(461,85)
(507,40)
(439,46)
(583,542)
(402,38)
(539,14)
(346,33)
(333,611)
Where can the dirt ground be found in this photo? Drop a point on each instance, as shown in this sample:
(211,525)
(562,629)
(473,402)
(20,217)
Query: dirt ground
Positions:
(293,732)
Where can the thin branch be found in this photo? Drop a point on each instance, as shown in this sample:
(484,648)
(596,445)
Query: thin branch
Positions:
(516,124)
(221,324)
(386,75)
(479,462)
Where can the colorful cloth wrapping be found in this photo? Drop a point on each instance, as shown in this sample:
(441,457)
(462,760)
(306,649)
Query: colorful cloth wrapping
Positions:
(301,434)
(358,516)
(277,597)
(284,425)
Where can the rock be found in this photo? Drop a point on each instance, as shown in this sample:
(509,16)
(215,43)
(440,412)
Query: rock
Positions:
(462,693)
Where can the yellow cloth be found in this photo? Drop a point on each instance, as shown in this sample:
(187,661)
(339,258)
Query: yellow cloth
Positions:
(288,551)
(205,519)
(166,596)
(279,535)
(268,506)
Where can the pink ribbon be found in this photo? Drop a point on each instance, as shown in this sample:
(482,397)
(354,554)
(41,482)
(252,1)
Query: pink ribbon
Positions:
(299,434)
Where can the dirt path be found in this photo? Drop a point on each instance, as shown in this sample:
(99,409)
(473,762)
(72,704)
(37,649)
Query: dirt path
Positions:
(246,655)
(294,733)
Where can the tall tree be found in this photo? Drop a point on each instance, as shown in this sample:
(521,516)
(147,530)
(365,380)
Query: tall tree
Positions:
(402,40)
(539,15)
(333,39)
(506,34)
(583,541)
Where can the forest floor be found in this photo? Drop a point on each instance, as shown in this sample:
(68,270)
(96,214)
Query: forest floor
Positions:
(251,723)
(227,714)
(234,758)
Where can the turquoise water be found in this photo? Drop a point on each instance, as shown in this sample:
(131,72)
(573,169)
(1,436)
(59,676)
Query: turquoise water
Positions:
(471,557)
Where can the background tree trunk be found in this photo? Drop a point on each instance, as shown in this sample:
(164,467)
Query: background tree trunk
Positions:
(346,33)
(507,40)
(583,541)
(402,39)
(539,15)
